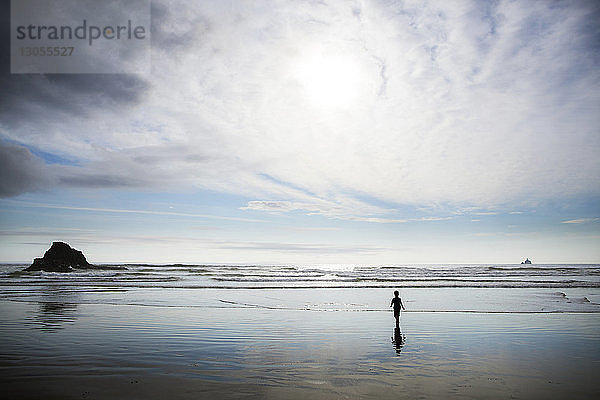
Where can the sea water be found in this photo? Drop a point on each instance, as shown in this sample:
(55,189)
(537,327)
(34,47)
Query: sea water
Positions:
(434,288)
(181,331)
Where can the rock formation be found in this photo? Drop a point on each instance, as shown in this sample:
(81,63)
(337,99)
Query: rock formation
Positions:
(60,257)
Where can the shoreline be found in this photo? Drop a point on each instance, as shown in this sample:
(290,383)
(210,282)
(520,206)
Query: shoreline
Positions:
(130,351)
(356,299)
(382,310)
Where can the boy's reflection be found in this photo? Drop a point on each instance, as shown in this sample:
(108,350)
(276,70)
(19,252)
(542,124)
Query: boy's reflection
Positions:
(398,339)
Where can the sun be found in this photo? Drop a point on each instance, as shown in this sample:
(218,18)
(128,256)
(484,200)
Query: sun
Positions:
(328,81)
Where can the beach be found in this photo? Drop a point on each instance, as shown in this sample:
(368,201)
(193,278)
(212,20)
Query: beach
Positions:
(99,341)
(218,200)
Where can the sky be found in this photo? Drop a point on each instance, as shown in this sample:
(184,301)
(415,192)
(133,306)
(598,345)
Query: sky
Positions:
(317,132)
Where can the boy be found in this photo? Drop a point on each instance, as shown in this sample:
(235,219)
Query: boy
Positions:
(397,303)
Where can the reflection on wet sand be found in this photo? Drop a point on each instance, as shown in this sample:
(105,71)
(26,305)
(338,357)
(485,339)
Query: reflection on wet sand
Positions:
(53,315)
(398,339)
(56,307)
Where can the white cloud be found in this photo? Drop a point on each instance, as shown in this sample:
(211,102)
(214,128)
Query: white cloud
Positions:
(313,228)
(319,248)
(455,102)
(126,211)
(349,210)
(344,209)
(581,221)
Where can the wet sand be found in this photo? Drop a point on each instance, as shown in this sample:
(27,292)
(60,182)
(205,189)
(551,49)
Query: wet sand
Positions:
(99,351)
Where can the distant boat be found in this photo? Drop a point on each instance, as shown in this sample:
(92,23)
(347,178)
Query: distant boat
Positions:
(527,261)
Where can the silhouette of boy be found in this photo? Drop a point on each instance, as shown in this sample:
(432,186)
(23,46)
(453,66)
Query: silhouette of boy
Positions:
(397,303)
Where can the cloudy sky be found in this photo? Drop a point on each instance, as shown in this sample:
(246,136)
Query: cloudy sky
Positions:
(317,132)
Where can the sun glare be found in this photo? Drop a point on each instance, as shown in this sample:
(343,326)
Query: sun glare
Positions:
(329,81)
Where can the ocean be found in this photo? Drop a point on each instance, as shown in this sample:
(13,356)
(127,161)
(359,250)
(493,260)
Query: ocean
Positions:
(433,288)
(326,332)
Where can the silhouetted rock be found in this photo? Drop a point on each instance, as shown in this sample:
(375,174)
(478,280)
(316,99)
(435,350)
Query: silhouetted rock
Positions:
(60,257)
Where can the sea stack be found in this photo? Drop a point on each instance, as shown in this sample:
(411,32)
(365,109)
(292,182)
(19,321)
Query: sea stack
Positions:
(60,257)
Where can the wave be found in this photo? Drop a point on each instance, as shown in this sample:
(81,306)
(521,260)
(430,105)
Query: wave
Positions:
(495,268)
(177,285)
(255,276)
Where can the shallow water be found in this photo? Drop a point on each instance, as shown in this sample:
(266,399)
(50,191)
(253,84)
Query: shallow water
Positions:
(295,332)
(472,288)
(126,351)
(506,300)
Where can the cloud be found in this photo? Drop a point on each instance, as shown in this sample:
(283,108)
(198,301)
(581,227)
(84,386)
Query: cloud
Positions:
(276,206)
(313,228)
(128,211)
(457,103)
(45,231)
(328,209)
(581,221)
(318,248)
(334,210)
(20,171)
(91,238)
